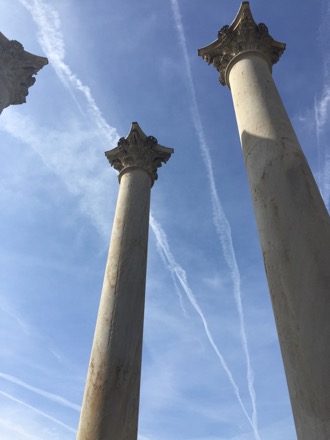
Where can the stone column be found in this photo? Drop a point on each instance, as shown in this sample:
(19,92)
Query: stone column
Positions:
(292,220)
(111,400)
(17,68)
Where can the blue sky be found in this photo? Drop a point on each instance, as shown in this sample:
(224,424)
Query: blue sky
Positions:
(212,368)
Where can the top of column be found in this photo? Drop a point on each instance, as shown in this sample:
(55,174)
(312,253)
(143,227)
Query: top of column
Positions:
(138,150)
(243,35)
(17,68)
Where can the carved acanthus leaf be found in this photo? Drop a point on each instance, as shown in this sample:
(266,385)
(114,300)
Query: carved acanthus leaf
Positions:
(17,68)
(139,151)
(242,35)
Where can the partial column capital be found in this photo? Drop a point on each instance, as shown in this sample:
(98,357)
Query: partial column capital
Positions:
(17,68)
(243,36)
(138,150)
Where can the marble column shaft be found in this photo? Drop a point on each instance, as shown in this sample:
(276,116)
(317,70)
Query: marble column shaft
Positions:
(111,400)
(292,220)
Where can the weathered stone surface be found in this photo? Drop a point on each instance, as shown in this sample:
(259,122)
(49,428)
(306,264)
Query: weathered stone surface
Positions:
(241,36)
(111,400)
(139,150)
(17,68)
(294,230)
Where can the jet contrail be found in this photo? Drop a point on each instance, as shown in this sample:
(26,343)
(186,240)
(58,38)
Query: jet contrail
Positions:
(64,162)
(220,220)
(53,397)
(321,118)
(20,430)
(37,411)
(180,273)
(16,318)
(321,113)
(52,42)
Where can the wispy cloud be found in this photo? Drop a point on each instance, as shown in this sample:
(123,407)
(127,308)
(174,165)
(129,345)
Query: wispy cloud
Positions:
(50,396)
(179,272)
(220,220)
(321,111)
(8,310)
(14,429)
(82,183)
(52,42)
(37,411)
(29,331)
(61,151)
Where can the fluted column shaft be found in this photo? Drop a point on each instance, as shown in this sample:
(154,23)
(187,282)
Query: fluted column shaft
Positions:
(110,407)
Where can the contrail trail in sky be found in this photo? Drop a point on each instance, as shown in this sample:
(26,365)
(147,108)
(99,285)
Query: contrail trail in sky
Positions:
(180,273)
(219,217)
(15,317)
(53,397)
(20,430)
(52,42)
(32,408)
(321,118)
(321,111)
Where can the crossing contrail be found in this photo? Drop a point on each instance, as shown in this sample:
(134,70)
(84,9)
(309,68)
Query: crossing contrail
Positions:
(51,40)
(50,396)
(37,411)
(219,217)
(179,272)
(62,160)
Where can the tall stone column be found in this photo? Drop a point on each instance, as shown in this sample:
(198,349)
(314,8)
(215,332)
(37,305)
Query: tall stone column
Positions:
(111,400)
(292,220)
(17,68)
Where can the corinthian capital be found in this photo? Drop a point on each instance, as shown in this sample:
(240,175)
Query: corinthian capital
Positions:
(243,35)
(17,68)
(139,151)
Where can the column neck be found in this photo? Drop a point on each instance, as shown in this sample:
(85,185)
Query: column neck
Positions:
(133,168)
(241,56)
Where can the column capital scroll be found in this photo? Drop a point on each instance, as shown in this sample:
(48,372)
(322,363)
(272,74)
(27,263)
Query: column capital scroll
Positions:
(138,150)
(243,35)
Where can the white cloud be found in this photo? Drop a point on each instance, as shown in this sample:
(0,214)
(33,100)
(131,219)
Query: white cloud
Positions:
(70,154)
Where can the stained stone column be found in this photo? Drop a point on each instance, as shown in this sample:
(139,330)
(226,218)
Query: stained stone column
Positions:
(17,68)
(111,400)
(293,223)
